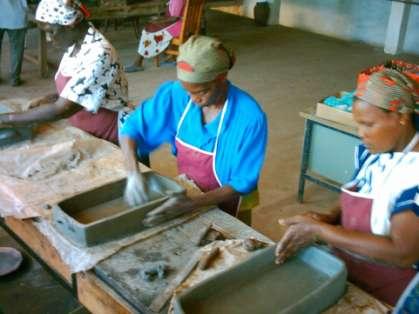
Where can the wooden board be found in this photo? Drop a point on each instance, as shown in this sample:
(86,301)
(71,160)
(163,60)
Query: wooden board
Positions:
(29,234)
(97,297)
(153,7)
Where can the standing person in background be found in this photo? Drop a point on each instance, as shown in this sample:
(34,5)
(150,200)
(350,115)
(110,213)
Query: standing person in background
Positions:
(91,88)
(13,21)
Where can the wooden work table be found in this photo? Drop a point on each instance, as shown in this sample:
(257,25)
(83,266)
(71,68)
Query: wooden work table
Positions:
(109,289)
(99,297)
(111,296)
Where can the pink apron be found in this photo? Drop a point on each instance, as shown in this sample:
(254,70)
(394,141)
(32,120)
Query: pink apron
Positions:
(383,281)
(199,165)
(102,124)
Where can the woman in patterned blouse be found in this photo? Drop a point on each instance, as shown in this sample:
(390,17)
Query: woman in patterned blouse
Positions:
(91,88)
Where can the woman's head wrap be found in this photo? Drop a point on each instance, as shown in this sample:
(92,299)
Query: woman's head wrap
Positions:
(61,12)
(390,90)
(202,59)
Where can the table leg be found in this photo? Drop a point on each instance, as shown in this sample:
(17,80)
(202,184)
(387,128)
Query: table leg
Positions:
(136,24)
(304,158)
(42,54)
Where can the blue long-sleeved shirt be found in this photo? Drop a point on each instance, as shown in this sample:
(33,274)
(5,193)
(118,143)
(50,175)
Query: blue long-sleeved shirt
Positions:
(242,142)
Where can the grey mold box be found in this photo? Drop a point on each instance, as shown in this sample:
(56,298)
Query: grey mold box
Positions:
(310,282)
(12,135)
(101,214)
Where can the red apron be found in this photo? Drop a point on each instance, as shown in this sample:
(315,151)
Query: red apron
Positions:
(199,165)
(385,282)
(102,124)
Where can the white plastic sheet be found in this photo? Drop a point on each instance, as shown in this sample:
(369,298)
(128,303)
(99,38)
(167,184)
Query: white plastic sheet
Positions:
(82,259)
(59,162)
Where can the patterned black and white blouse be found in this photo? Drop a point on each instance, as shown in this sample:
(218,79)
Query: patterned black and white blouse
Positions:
(97,77)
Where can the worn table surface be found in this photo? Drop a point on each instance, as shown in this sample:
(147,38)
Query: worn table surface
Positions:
(113,286)
(173,247)
(310,114)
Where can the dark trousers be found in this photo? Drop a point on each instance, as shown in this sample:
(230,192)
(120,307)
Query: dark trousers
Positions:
(17,45)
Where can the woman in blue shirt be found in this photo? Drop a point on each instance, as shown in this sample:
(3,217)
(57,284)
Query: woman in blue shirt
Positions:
(217,132)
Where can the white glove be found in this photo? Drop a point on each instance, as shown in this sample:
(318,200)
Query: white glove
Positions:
(136,189)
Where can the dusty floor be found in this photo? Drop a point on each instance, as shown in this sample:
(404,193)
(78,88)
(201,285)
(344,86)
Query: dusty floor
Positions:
(286,70)
(31,289)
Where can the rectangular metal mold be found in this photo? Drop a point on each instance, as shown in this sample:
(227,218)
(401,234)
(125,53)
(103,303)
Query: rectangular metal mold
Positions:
(307,283)
(12,135)
(15,134)
(101,214)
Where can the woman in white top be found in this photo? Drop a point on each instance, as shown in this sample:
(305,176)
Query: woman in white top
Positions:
(91,88)
(375,230)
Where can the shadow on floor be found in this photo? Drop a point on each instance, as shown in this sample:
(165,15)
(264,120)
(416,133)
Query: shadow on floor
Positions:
(31,289)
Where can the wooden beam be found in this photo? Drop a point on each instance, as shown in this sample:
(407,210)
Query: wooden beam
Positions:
(42,54)
(31,236)
(396,27)
(34,59)
(97,297)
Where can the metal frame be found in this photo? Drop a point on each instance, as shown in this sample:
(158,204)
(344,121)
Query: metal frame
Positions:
(305,173)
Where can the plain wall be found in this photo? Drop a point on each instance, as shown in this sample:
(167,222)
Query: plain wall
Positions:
(359,20)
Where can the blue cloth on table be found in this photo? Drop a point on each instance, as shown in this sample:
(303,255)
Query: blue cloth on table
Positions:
(343,103)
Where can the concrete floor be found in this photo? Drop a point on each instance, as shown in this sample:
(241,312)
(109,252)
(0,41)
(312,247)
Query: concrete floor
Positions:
(286,70)
(31,289)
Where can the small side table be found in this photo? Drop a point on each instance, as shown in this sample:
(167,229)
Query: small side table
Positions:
(327,156)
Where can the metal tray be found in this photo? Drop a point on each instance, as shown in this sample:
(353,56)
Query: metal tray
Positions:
(12,135)
(101,214)
(307,283)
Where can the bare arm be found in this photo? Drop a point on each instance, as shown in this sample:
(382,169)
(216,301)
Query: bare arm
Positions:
(62,108)
(332,217)
(400,248)
(213,197)
(179,205)
(129,149)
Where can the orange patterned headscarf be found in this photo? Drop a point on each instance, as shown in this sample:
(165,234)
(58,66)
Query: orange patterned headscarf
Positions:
(390,90)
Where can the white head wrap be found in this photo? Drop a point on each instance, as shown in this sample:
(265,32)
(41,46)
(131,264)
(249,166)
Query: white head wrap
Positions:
(57,12)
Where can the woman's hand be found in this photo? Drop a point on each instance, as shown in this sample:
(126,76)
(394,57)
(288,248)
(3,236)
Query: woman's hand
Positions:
(302,231)
(172,208)
(327,218)
(136,189)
